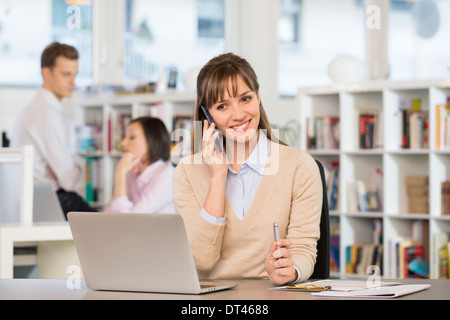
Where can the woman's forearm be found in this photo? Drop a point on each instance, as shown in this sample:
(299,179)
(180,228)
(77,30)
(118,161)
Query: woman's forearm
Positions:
(215,199)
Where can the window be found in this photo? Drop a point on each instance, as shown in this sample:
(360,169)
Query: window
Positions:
(418,34)
(172,36)
(313,33)
(211,19)
(28,26)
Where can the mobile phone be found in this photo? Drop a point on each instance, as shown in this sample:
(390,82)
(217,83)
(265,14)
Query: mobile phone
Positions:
(219,139)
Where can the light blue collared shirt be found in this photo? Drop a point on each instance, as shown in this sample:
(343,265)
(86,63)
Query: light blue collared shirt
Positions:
(241,187)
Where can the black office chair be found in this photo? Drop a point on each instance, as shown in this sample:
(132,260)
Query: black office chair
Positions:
(322,267)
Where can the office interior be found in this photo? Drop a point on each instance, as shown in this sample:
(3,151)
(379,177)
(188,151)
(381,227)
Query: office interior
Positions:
(318,62)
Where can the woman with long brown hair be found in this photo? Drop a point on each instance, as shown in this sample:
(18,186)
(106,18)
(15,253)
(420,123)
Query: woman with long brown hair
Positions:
(229,200)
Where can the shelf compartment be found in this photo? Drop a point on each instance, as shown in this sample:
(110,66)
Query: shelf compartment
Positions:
(399,166)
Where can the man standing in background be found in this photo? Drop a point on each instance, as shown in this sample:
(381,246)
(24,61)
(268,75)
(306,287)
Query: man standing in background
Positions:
(41,124)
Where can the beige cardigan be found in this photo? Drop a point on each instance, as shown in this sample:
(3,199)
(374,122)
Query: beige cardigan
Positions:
(290,193)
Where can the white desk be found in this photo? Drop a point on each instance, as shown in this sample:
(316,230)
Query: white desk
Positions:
(11,233)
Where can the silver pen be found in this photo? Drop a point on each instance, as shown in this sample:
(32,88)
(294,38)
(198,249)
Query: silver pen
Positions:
(276,233)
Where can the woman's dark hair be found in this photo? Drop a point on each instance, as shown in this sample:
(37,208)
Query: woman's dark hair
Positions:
(157,137)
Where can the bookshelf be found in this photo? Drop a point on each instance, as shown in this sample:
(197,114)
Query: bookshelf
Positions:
(102,122)
(385,165)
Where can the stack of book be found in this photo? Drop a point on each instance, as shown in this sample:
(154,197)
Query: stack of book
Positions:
(417,190)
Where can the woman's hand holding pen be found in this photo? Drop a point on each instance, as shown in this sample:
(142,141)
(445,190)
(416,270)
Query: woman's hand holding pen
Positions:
(279,265)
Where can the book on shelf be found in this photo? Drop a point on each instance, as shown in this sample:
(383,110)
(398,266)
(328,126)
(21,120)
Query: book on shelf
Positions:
(334,244)
(93,179)
(443,126)
(419,130)
(440,255)
(377,232)
(322,133)
(332,181)
(445,197)
(370,133)
(414,254)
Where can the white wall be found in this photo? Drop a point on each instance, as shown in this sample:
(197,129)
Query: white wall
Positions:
(254,36)
(11,101)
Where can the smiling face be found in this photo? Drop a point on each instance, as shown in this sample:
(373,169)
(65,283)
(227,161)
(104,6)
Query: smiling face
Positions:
(237,112)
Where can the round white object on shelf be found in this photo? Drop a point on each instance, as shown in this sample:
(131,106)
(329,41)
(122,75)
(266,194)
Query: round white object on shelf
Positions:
(346,68)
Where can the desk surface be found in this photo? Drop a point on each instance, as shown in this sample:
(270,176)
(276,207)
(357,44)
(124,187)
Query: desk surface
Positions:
(43,289)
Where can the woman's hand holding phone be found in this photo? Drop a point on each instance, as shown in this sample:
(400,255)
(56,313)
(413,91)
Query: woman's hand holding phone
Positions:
(218,167)
(216,160)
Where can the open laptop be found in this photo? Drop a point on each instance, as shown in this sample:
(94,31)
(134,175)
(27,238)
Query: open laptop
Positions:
(136,252)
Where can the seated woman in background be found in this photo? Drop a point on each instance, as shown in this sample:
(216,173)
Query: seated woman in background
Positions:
(143,177)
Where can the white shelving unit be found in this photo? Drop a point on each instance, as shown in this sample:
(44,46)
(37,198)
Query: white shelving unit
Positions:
(396,163)
(102,112)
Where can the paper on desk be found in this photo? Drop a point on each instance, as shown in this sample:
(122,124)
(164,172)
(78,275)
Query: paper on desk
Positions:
(351,285)
(342,285)
(379,292)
